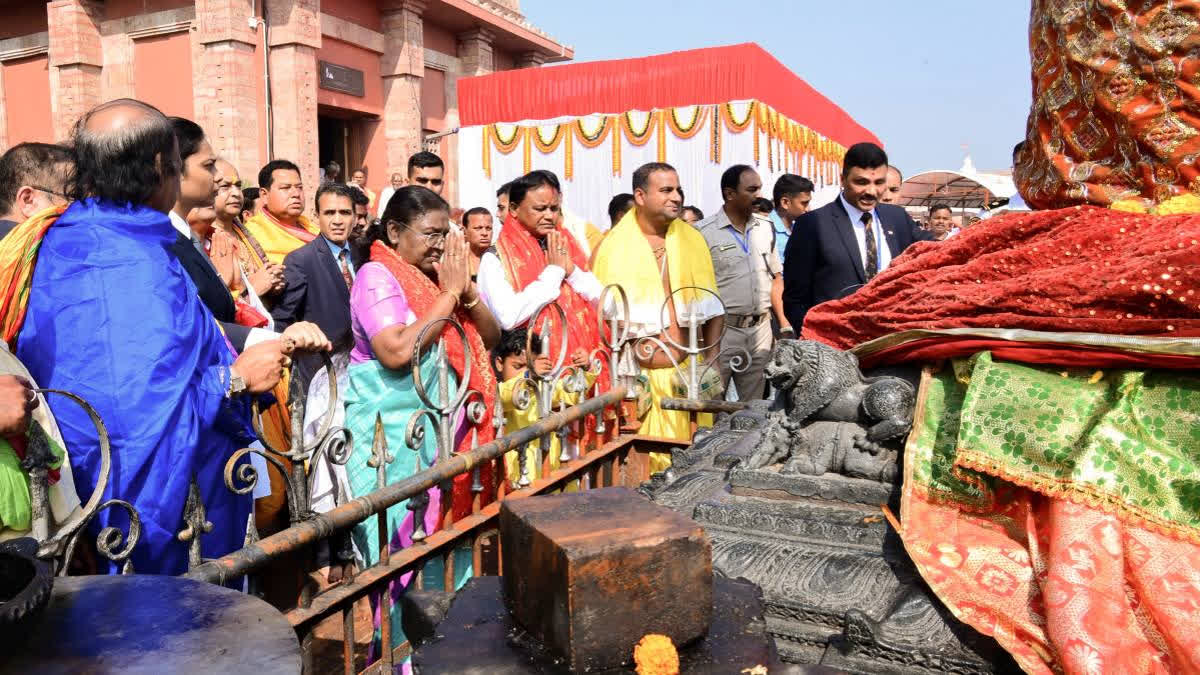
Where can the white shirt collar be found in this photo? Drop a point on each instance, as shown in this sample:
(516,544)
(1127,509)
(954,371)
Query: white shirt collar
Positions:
(854,212)
(180,225)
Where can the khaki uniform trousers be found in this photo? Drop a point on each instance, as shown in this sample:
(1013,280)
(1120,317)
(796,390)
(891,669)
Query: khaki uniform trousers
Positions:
(757,340)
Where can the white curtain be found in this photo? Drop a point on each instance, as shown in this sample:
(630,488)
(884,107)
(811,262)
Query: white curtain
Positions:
(593,182)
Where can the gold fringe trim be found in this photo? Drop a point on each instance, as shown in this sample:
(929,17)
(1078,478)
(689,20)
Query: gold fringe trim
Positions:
(1062,488)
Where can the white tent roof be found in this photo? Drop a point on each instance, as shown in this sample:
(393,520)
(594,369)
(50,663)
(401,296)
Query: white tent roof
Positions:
(965,188)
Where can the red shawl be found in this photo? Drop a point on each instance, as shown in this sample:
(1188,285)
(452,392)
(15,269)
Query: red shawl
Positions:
(421,292)
(524,260)
(1079,269)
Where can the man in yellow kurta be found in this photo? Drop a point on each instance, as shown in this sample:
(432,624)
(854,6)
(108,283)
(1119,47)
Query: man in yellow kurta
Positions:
(651,252)
(280,227)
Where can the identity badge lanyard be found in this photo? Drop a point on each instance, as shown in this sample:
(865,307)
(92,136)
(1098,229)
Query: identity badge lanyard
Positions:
(742,241)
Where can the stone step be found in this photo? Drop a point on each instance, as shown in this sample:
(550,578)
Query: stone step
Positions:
(843,524)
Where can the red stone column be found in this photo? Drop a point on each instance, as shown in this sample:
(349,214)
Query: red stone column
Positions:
(76,60)
(475,52)
(295,38)
(403,70)
(531,60)
(227,82)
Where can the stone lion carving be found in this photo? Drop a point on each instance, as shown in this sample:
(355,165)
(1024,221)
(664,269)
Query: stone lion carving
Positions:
(818,385)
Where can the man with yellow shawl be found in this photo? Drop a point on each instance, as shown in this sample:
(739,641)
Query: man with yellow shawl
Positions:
(652,253)
(1051,494)
(280,227)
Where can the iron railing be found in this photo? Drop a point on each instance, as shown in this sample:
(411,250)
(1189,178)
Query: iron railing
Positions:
(608,455)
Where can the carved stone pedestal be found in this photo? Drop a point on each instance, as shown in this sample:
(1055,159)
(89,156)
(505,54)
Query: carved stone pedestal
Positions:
(838,587)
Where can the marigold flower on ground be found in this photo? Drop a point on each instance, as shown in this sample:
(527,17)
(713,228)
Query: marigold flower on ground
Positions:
(656,655)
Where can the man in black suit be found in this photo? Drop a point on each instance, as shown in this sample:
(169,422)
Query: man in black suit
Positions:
(198,187)
(320,273)
(838,248)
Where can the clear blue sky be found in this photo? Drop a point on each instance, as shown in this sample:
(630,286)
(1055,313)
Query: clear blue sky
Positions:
(927,76)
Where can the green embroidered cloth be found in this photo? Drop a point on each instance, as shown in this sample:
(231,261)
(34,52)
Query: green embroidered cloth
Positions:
(16,506)
(1125,441)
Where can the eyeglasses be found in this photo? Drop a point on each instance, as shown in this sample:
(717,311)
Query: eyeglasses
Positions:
(432,239)
(48,191)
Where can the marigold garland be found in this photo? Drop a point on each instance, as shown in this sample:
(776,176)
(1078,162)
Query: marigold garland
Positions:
(757,130)
(487,151)
(734,125)
(568,157)
(682,131)
(661,123)
(616,148)
(638,138)
(547,147)
(506,146)
(527,159)
(800,149)
(596,140)
(714,148)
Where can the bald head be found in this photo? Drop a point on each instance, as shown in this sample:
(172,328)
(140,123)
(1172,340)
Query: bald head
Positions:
(125,153)
(891,192)
(228,203)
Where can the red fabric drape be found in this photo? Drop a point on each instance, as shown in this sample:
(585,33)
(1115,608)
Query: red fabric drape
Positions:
(693,77)
(1079,269)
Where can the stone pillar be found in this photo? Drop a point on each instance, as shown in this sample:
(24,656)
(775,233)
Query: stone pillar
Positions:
(295,39)
(403,69)
(531,60)
(227,83)
(475,52)
(117,78)
(76,60)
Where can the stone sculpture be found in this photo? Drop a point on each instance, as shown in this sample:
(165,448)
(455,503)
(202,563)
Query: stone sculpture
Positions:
(790,494)
(829,417)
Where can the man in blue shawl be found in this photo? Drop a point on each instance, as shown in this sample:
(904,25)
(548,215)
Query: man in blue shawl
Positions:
(113,317)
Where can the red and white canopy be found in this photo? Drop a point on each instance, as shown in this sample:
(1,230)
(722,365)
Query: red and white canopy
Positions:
(594,123)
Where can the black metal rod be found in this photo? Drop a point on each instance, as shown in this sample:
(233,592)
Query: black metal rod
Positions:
(697,405)
(347,515)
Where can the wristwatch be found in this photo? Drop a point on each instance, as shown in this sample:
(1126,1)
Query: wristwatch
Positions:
(787,331)
(237,386)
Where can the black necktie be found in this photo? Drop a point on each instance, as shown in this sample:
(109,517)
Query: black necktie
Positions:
(871,267)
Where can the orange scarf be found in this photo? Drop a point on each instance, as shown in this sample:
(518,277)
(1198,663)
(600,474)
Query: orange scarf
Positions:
(18,255)
(421,293)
